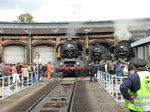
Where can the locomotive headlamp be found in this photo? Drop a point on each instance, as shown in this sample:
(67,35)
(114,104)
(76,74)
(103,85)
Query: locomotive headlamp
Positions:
(121,46)
(61,64)
(78,63)
(69,45)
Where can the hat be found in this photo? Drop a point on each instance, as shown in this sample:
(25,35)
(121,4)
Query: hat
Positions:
(137,62)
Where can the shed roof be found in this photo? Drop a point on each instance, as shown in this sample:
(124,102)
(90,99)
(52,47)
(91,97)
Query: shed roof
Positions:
(50,31)
(140,42)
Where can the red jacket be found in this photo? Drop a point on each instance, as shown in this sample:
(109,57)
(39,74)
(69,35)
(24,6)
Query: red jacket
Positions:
(49,67)
(14,70)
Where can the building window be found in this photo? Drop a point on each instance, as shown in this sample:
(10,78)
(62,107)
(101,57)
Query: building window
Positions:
(146,51)
(140,52)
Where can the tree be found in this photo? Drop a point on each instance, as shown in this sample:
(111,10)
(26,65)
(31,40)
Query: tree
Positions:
(25,17)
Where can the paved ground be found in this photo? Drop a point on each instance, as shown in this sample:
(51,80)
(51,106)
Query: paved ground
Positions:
(91,97)
(103,100)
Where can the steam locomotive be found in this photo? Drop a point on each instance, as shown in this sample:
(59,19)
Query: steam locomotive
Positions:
(70,60)
(99,52)
(123,50)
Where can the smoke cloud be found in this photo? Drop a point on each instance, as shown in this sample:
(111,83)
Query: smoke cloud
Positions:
(72,29)
(122,30)
(71,32)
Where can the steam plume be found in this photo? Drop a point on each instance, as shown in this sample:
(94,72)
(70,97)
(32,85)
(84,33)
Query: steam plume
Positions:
(72,29)
(122,30)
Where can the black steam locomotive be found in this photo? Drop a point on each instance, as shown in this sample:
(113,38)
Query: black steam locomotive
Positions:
(99,52)
(70,60)
(123,50)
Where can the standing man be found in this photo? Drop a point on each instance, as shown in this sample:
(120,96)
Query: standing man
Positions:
(49,70)
(136,88)
(44,69)
(18,67)
(92,71)
(15,75)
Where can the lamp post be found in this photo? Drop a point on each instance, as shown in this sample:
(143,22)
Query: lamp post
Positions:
(1,49)
(37,56)
(55,31)
(87,42)
(30,44)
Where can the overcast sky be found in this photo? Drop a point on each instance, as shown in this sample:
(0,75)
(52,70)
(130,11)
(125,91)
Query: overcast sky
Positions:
(74,10)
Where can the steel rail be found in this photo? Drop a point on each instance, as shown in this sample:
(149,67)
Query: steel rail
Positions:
(72,97)
(30,109)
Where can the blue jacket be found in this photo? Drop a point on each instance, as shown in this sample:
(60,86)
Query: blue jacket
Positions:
(132,83)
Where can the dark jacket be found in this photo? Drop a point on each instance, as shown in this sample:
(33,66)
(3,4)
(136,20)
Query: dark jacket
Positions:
(44,68)
(92,69)
(18,67)
(132,83)
(102,67)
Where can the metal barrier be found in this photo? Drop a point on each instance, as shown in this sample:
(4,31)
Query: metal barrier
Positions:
(111,83)
(8,88)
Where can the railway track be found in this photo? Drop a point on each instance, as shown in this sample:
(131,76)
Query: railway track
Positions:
(57,99)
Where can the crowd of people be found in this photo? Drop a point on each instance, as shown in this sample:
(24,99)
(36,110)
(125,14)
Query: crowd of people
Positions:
(117,67)
(44,70)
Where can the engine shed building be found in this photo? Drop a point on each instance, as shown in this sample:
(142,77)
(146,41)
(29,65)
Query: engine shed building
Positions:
(19,42)
(142,48)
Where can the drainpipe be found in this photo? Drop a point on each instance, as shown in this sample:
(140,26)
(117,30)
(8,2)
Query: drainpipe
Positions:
(55,31)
